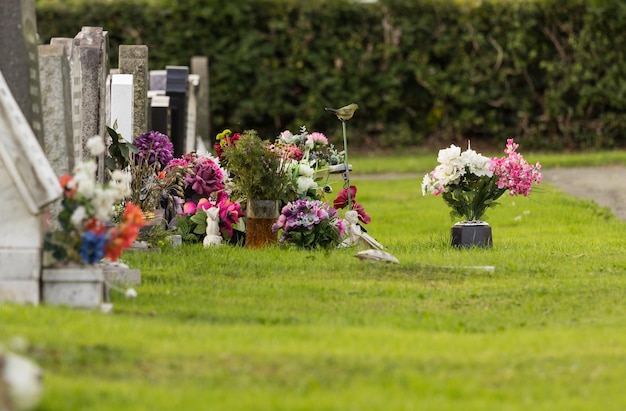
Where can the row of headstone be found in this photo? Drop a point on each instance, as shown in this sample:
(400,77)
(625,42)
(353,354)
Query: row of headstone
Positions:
(56,97)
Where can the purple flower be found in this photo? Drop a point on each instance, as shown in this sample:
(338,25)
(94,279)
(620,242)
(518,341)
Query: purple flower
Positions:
(154,147)
(309,224)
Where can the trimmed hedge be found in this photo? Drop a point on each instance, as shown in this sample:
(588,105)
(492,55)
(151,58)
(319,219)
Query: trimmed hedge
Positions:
(550,73)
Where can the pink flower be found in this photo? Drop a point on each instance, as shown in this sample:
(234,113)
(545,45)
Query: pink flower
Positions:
(189,208)
(514,173)
(318,139)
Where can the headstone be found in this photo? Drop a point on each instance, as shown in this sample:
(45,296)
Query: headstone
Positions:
(160,114)
(27,183)
(134,60)
(122,105)
(92,43)
(58,136)
(200,66)
(158,79)
(76,92)
(18,62)
(176,88)
(192,113)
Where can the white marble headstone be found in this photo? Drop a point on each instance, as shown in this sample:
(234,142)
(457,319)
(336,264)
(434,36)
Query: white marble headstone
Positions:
(27,184)
(122,105)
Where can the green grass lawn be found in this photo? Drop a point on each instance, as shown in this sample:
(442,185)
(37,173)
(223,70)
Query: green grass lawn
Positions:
(279,329)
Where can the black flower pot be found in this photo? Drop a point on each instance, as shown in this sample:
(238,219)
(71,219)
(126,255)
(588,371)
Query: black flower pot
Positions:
(468,234)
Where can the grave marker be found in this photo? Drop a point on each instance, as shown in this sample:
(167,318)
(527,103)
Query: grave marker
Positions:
(176,88)
(134,60)
(122,105)
(58,136)
(28,184)
(71,51)
(92,43)
(18,48)
(192,113)
(200,66)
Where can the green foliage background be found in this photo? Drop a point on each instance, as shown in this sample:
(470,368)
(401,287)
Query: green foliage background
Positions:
(550,73)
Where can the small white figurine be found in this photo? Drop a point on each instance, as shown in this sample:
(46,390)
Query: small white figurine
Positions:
(213,236)
(356,235)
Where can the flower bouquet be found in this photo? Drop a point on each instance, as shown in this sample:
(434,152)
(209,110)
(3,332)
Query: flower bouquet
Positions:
(84,235)
(192,223)
(470,183)
(307,156)
(310,224)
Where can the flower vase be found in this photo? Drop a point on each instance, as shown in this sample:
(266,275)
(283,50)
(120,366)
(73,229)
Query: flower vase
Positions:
(260,216)
(468,234)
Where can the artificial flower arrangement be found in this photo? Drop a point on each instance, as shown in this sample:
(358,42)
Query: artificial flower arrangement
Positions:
(309,221)
(84,234)
(310,224)
(153,183)
(291,168)
(203,187)
(258,169)
(470,183)
(308,157)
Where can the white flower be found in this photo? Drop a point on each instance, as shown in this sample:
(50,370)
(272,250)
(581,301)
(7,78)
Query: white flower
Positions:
(120,183)
(84,175)
(288,138)
(477,164)
(306,170)
(450,156)
(305,184)
(103,201)
(446,174)
(95,145)
(427,185)
(78,216)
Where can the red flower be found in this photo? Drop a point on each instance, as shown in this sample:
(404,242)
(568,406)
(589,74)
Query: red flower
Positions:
(65,181)
(123,236)
(342,202)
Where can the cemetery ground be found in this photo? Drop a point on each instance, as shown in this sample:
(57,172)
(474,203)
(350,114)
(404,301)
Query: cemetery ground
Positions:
(280,329)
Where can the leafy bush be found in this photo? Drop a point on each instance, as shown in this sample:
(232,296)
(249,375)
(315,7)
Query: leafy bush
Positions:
(548,72)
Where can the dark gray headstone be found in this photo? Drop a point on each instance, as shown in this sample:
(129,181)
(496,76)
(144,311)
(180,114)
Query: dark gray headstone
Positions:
(176,88)
(93,46)
(18,61)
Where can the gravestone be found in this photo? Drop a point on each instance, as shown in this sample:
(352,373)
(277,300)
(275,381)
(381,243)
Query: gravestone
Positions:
(122,105)
(92,53)
(160,113)
(18,48)
(28,184)
(134,60)
(192,113)
(158,79)
(176,88)
(200,67)
(75,92)
(58,136)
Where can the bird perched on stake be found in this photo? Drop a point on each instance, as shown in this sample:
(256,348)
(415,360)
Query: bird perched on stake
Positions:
(344,113)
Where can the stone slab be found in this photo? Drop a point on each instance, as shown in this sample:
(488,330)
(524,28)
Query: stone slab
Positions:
(19,265)
(19,292)
(75,287)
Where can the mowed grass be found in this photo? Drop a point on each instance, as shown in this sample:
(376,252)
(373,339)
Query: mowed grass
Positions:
(280,329)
